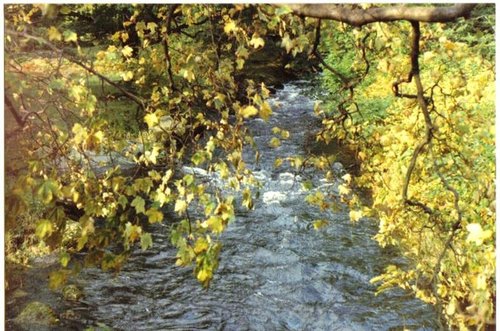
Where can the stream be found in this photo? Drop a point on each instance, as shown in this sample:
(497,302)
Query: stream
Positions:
(276,272)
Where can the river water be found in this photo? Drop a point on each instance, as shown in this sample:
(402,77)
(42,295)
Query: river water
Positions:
(276,272)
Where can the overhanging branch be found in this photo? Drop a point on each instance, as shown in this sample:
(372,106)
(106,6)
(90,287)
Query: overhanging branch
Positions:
(359,17)
(72,58)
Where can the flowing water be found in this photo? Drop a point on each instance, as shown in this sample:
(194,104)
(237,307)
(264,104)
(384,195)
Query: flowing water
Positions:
(276,272)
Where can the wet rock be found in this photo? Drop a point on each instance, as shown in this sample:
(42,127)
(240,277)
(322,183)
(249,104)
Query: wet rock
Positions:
(338,168)
(70,314)
(36,316)
(17,294)
(72,293)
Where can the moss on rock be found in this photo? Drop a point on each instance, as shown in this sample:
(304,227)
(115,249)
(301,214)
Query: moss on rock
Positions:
(36,315)
(72,293)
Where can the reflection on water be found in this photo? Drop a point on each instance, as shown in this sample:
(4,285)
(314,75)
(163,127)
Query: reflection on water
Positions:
(276,272)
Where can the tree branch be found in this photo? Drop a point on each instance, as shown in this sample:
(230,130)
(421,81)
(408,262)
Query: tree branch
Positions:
(166,46)
(359,17)
(72,58)
(415,73)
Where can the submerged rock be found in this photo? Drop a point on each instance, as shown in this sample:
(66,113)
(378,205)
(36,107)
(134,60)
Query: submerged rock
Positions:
(36,316)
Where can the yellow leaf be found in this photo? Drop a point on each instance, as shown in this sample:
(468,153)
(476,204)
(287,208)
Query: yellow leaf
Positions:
(151,119)
(265,111)
(180,206)
(215,224)
(151,26)
(54,34)
(318,224)
(248,111)
(201,245)
(256,41)
(127,76)
(80,133)
(355,215)
(344,190)
(154,215)
(347,178)
(188,74)
(476,233)
(203,275)
(229,27)
(275,142)
(127,51)
(124,36)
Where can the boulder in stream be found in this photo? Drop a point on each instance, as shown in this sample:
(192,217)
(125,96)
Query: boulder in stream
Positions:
(36,316)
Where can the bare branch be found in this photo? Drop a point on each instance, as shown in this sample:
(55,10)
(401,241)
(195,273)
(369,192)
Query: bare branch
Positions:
(359,17)
(415,73)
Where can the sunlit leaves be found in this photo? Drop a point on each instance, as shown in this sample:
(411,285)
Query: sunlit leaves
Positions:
(385,137)
(146,241)
(256,41)
(48,191)
(151,119)
(248,111)
(54,34)
(131,233)
(44,228)
(139,204)
(355,215)
(265,111)
(230,26)
(127,51)
(275,142)
(188,74)
(127,76)
(247,198)
(154,215)
(476,234)
(70,36)
(180,206)
(64,259)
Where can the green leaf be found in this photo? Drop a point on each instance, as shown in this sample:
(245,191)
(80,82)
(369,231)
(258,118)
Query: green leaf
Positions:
(154,215)
(139,204)
(132,232)
(70,36)
(48,191)
(44,228)
(146,241)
